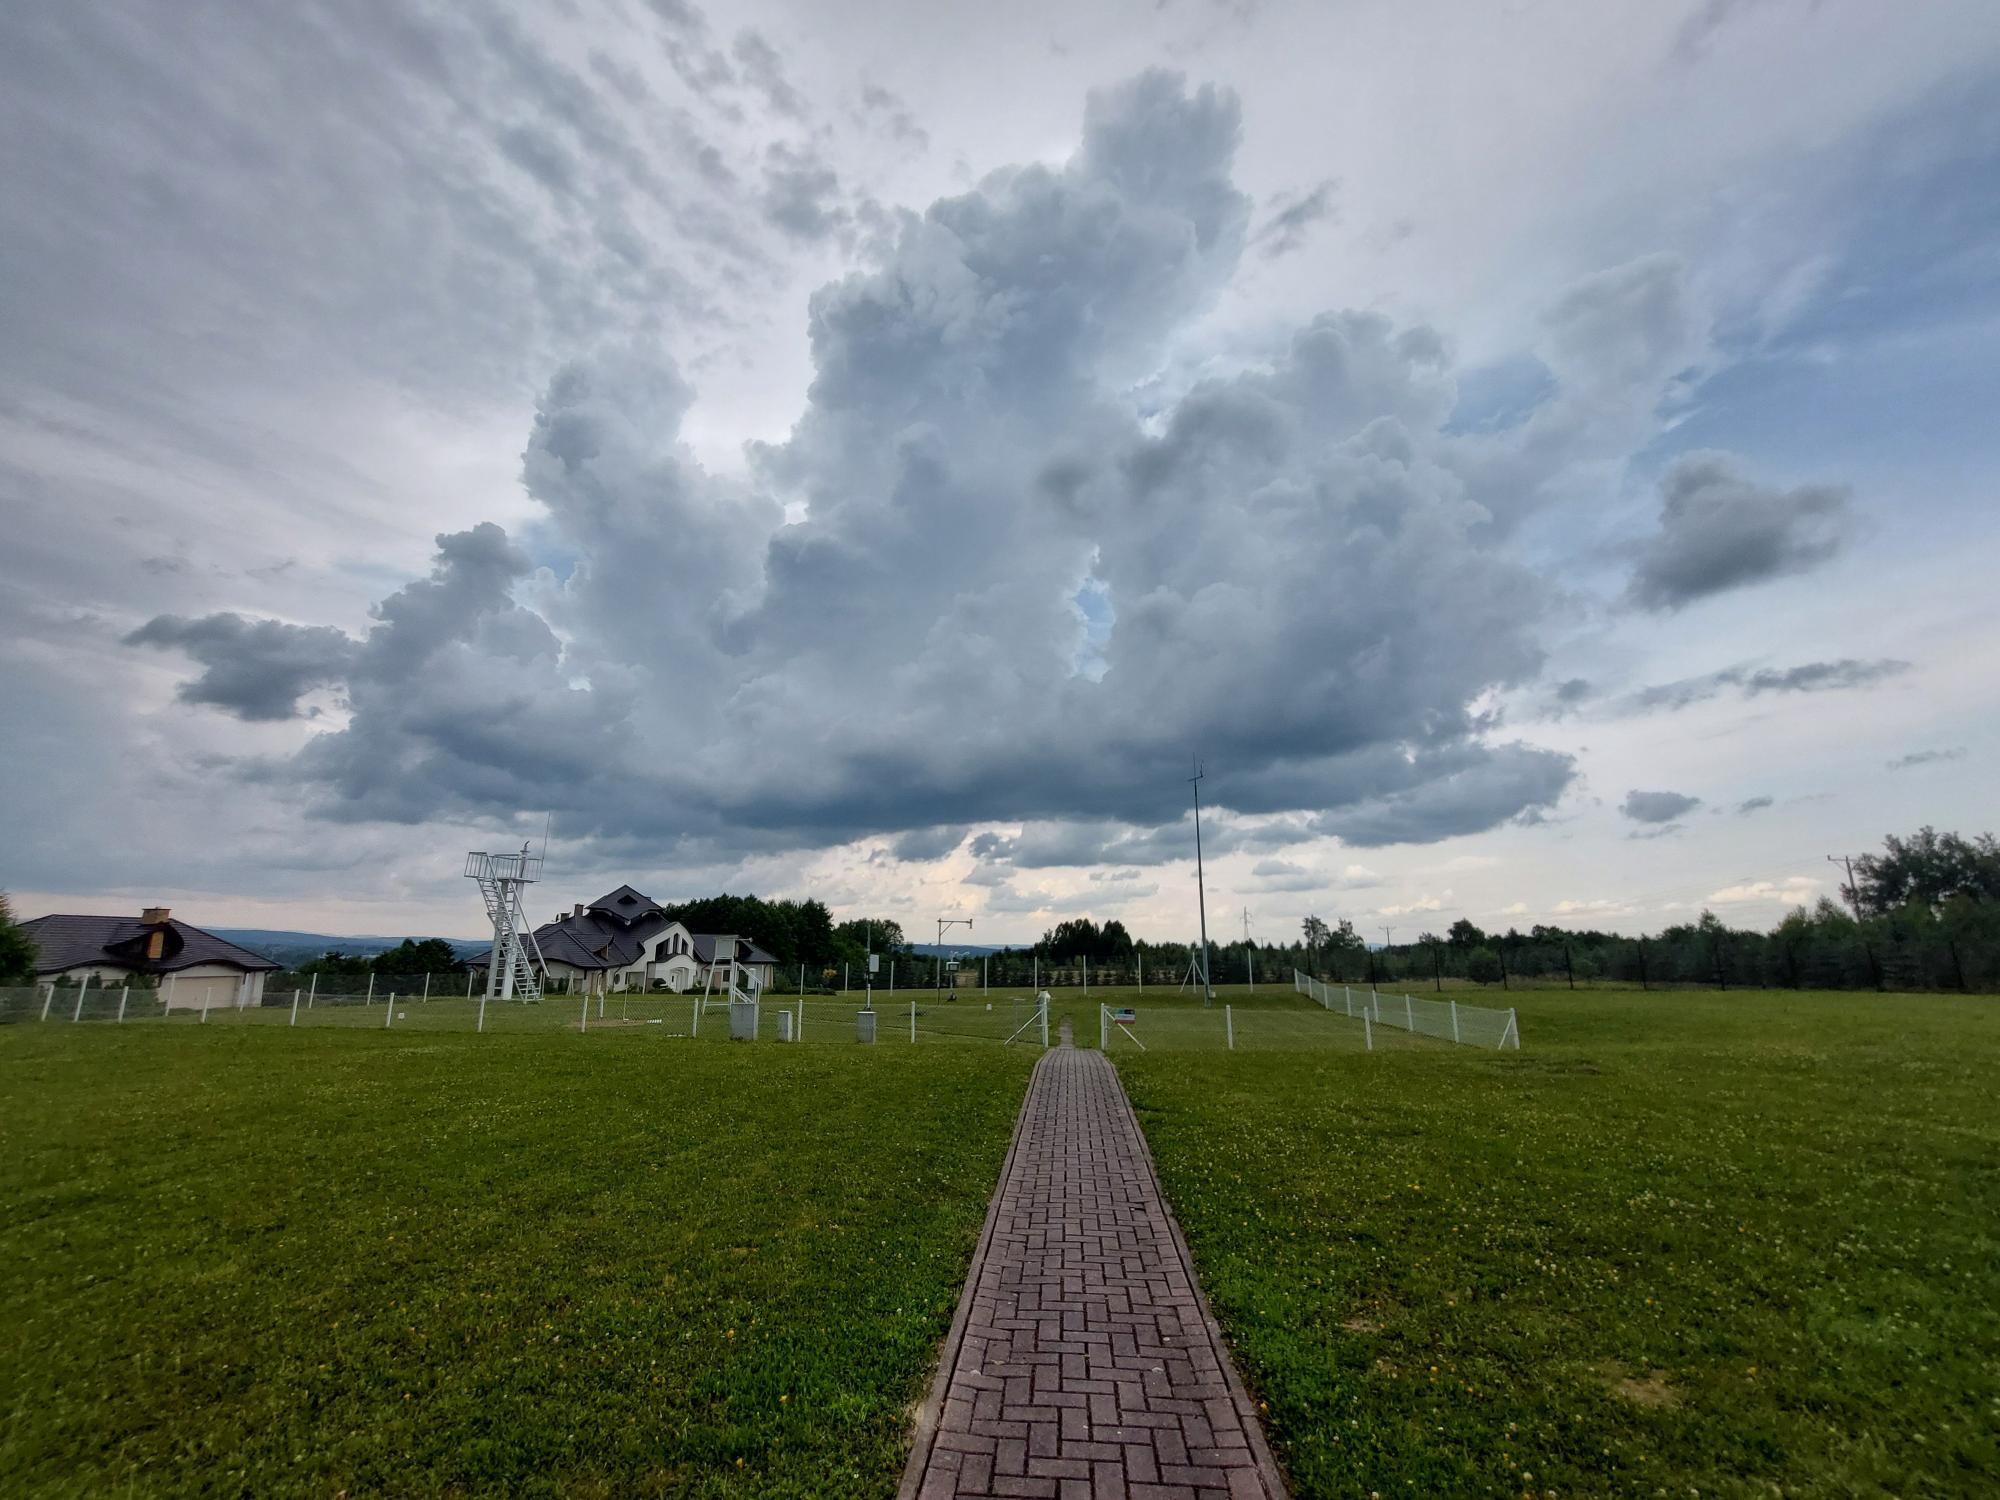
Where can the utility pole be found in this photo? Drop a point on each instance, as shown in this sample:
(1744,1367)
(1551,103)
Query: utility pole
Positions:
(1249,953)
(1201,890)
(943,923)
(1853,894)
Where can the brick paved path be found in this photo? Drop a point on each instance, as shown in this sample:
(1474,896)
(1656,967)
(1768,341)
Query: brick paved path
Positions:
(1083,1361)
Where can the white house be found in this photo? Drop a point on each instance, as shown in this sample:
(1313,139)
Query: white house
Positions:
(626,941)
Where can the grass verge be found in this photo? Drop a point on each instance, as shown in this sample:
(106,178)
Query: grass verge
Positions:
(255,1261)
(1738,1244)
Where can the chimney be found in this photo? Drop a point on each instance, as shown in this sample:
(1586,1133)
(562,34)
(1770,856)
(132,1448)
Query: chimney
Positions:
(576,910)
(154,915)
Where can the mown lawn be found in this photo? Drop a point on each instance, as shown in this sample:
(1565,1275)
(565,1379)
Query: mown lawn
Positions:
(1692,1243)
(246,1260)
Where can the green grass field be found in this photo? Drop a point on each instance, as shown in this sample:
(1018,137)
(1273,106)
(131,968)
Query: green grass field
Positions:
(239,1259)
(1687,1243)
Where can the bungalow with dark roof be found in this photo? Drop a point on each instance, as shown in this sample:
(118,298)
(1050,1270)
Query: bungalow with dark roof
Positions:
(626,941)
(194,969)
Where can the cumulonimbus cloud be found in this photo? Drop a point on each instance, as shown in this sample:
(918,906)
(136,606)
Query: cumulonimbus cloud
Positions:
(1289,568)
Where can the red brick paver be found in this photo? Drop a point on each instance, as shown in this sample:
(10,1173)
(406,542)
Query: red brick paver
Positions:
(1083,1363)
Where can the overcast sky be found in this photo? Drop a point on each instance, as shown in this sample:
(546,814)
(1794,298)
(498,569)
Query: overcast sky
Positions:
(1541,457)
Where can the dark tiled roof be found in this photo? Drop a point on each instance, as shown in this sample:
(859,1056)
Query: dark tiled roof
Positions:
(71,942)
(626,904)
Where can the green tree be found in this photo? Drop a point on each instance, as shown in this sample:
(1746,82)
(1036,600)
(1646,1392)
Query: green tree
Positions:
(417,956)
(17,949)
(1482,965)
(1927,869)
(1462,934)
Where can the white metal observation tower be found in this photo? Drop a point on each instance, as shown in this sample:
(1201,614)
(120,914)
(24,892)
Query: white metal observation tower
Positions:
(503,879)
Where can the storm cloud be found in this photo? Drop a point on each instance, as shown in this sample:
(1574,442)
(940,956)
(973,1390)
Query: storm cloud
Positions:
(922,616)
(1721,531)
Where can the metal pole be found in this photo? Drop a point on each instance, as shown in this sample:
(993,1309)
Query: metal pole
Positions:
(1045,1023)
(1409,1015)
(1229,1027)
(295,1007)
(312,990)
(123,995)
(1367,1032)
(81,991)
(1201,890)
(468,984)
(1454,1020)
(913,1020)
(370,999)
(1103,1029)
(389,1014)
(892,976)
(427,987)
(583,1022)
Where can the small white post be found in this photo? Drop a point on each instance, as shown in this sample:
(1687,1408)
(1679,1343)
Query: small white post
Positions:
(1103,1028)
(427,988)
(1512,1030)
(583,1022)
(844,985)
(799,1029)
(468,984)
(1045,1025)
(1454,1020)
(481,1023)
(313,990)
(389,1014)
(892,976)
(1409,1016)
(913,1016)
(1367,1030)
(204,1005)
(369,999)
(695,1030)
(1229,1027)
(1348,991)
(123,995)
(81,990)
(295,1006)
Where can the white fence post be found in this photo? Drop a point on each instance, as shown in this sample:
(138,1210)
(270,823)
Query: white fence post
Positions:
(844,985)
(369,999)
(312,990)
(1367,1030)
(295,1006)
(123,995)
(81,990)
(913,1013)
(583,1022)
(1103,1028)
(799,1031)
(204,1005)
(1409,1015)
(427,988)
(48,999)
(468,984)
(1229,1028)
(1045,1025)
(389,1014)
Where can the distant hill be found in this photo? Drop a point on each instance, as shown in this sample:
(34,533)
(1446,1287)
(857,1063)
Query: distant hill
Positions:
(296,947)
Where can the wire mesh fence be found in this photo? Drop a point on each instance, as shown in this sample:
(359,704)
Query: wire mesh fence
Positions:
(1446,1020)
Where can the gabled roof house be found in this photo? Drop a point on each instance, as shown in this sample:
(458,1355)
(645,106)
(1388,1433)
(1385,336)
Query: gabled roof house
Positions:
(194,969)
(625,940)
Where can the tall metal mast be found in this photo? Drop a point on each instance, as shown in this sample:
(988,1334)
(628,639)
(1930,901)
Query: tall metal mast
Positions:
(1201,890)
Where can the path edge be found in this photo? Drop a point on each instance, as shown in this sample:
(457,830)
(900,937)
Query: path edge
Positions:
(1272,1477)
(924,1437)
